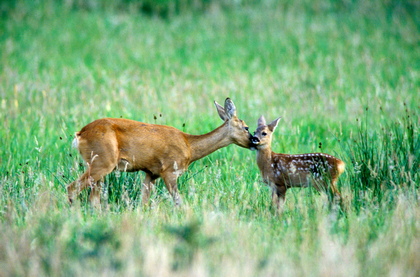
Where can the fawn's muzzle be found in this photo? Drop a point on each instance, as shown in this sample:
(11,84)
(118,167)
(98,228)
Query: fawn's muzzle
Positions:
(255,140)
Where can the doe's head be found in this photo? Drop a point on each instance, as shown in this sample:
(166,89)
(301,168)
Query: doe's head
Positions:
(262,136)
(238,130)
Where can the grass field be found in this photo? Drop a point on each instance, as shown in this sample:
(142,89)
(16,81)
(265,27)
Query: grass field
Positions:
(344,76)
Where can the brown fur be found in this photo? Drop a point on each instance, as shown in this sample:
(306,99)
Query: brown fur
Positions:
(160,151)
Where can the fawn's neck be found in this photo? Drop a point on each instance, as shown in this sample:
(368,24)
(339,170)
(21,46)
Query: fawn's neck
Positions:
(264,158)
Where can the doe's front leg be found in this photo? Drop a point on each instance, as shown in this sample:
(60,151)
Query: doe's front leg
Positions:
(170,180)
(147,188)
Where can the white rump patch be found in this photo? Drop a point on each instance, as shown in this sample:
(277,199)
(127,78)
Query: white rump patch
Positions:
(75,143)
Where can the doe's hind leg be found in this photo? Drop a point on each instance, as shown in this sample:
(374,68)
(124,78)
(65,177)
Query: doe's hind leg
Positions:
(91,178)
(76,187)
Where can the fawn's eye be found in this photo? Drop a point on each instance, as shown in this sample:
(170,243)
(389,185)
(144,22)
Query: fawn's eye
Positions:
(246,128)
(264,134)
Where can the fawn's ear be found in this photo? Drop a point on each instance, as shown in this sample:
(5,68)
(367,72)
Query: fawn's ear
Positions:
(221,111)
(230,108)
(272,126)
(261,121)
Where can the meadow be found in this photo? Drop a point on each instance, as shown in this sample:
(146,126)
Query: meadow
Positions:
(344,76)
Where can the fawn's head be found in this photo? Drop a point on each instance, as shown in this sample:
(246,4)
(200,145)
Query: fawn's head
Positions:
(238,130)
(262,136)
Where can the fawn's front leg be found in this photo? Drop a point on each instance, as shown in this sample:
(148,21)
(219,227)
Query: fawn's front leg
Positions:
(278,196)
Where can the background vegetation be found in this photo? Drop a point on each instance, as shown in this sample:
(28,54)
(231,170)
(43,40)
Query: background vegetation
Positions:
(344,75)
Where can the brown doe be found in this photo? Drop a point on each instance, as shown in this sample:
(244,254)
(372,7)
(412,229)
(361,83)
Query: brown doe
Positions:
(160,151)
(283,171)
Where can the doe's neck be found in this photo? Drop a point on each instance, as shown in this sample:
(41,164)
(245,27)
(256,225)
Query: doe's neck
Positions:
(203,145)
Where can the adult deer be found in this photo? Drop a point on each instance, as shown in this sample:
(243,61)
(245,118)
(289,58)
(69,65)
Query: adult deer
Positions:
(283,171)
(160,151)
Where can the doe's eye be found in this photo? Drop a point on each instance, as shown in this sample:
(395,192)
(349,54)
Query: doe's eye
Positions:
(264,134)
(246,128)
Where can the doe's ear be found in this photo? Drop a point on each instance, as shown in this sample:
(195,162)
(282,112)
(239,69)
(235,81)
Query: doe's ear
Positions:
(261,121)
(272,126)
(230,108)
(221,111)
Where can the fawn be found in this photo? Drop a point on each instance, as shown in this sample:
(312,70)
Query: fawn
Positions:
(283,171)
(160,151)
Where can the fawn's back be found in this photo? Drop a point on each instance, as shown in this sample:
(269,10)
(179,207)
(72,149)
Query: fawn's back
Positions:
(302,169)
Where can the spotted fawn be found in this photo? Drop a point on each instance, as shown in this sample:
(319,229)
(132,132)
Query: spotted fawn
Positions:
(283,171)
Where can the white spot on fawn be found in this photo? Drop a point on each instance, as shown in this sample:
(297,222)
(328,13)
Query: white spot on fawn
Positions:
(292,168)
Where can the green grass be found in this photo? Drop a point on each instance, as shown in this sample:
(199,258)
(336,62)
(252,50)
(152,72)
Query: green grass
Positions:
(341,73)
